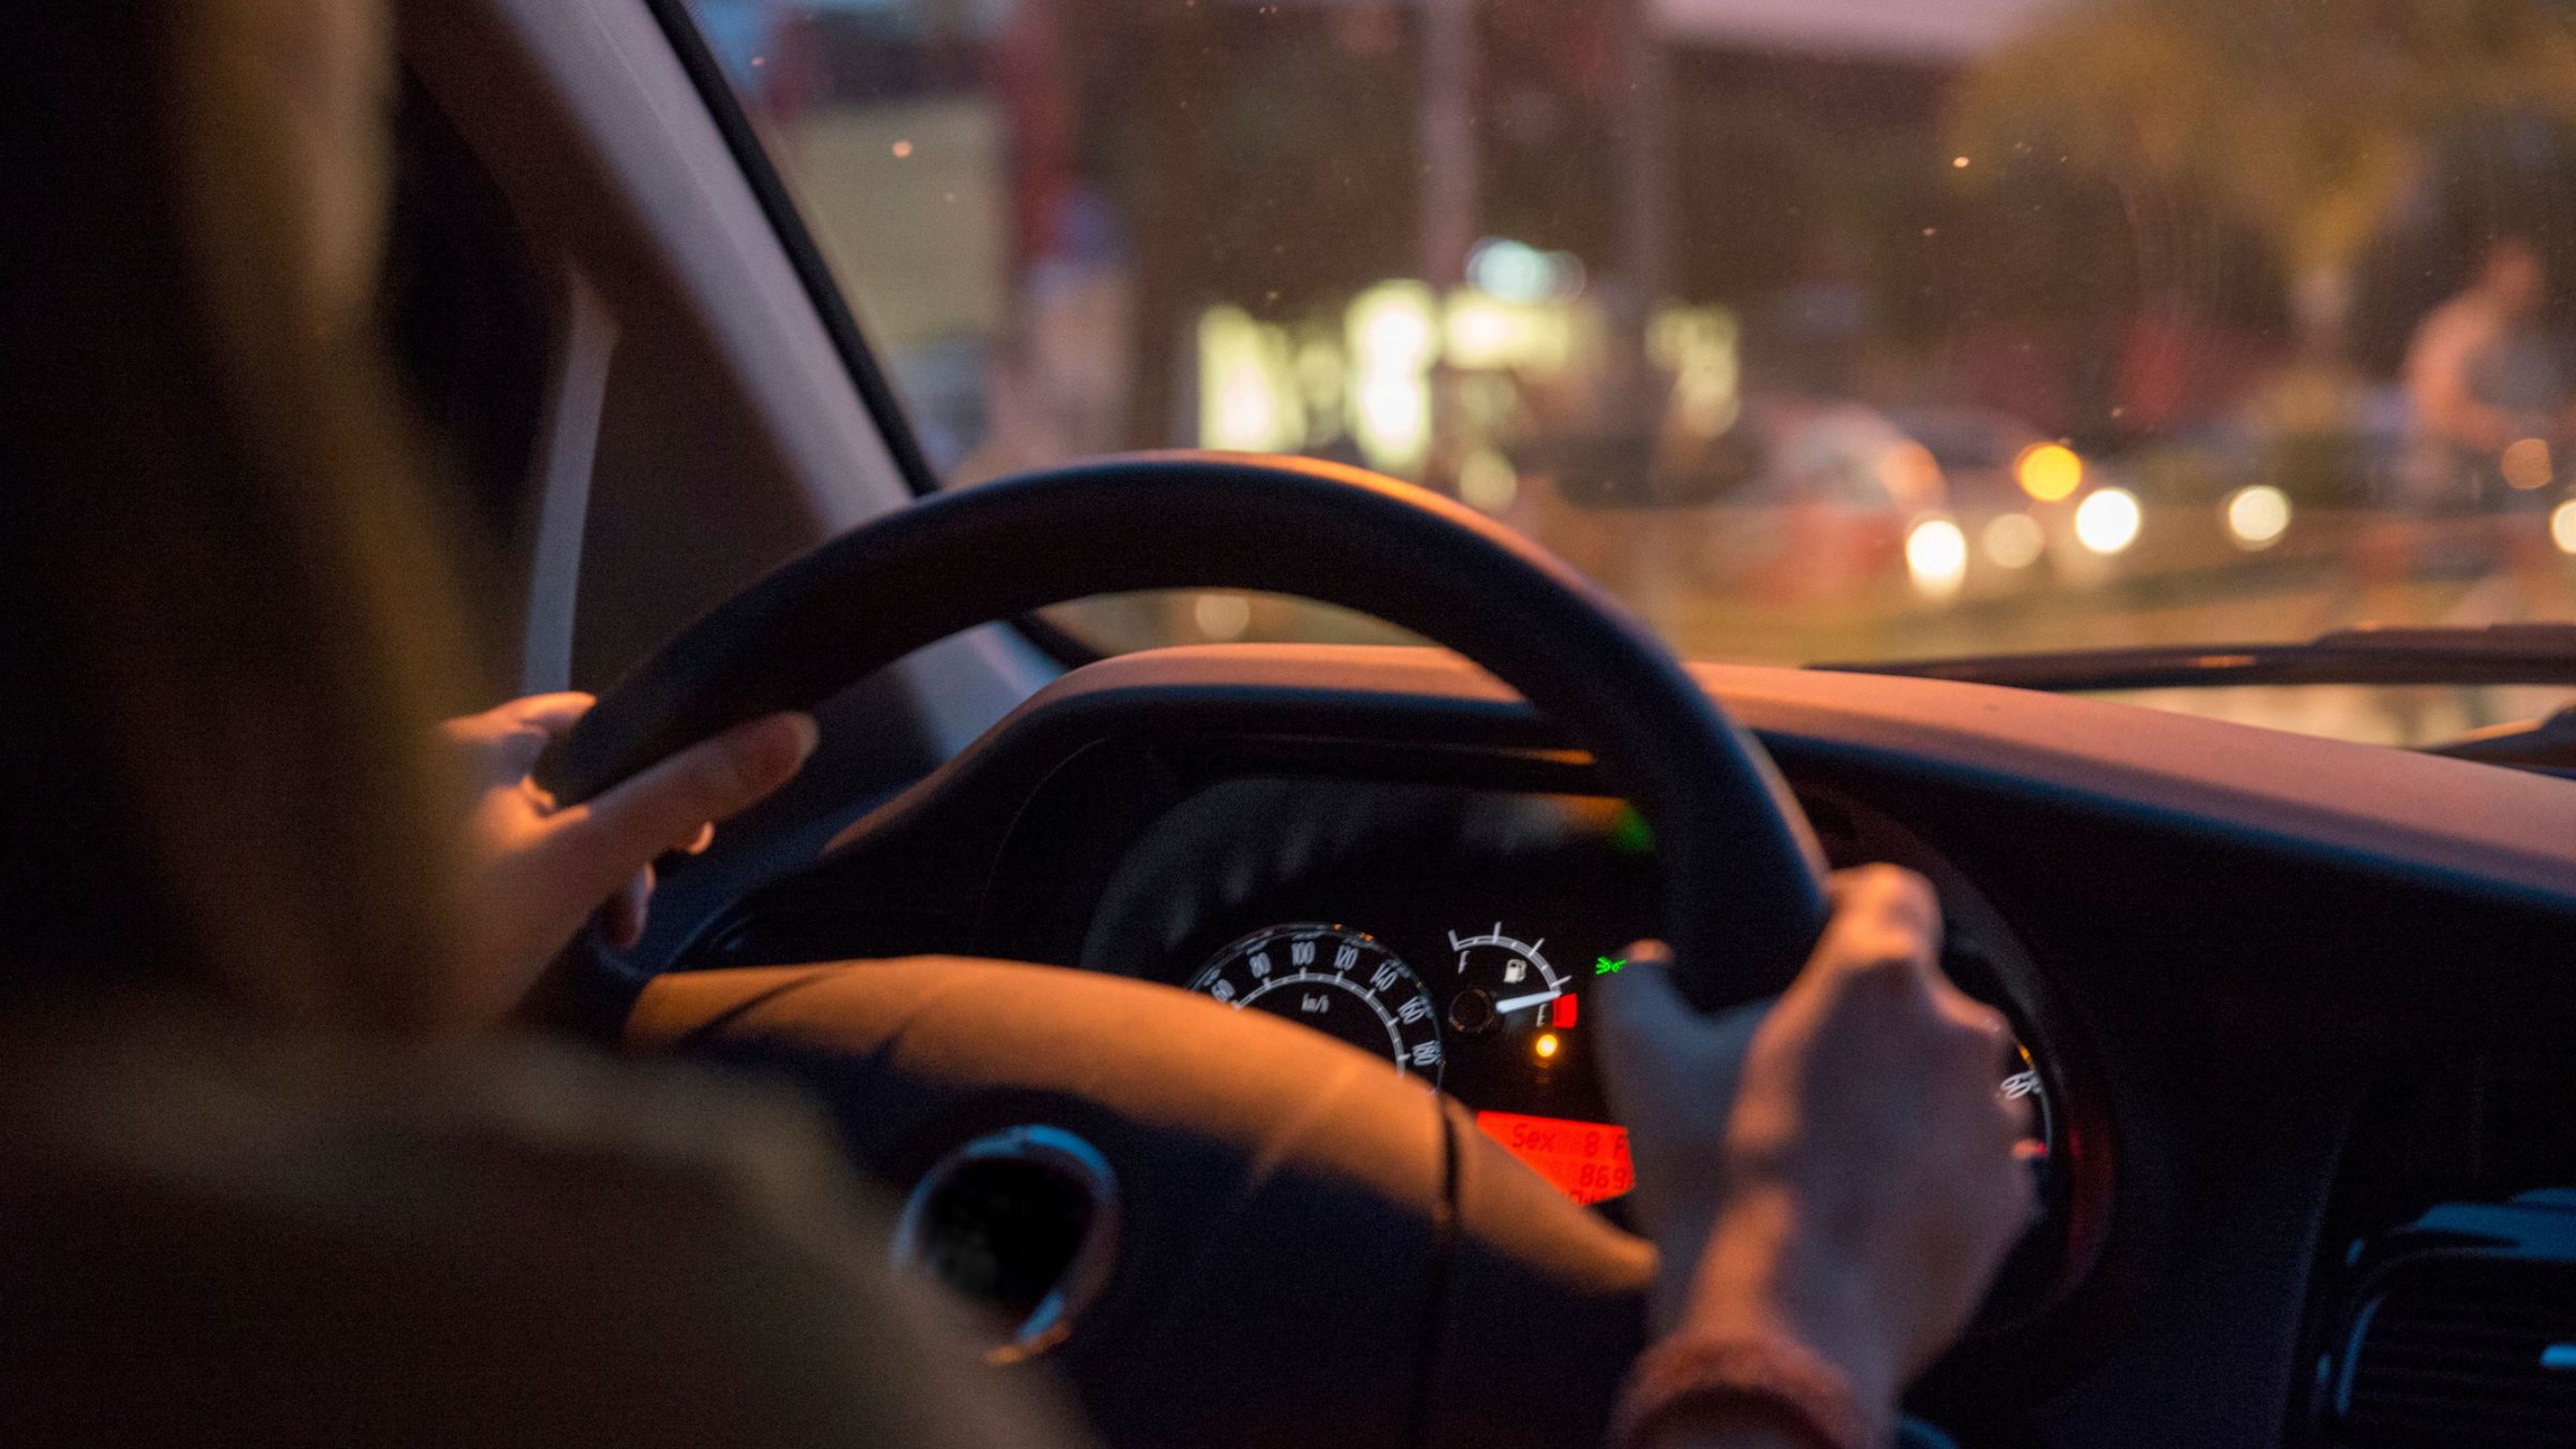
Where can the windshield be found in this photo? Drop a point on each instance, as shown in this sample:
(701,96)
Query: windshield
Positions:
(1860,330)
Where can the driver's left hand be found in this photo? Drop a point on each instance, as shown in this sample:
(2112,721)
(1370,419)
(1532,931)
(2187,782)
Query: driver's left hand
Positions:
(534,873)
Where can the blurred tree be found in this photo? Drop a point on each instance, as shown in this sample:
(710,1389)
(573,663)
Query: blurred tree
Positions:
(2312,122)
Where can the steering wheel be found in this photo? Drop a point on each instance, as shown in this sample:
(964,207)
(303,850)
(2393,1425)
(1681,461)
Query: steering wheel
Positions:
(1269,1181)
(1741,869)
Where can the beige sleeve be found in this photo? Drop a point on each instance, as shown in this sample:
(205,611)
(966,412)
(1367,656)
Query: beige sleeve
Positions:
(301,1246)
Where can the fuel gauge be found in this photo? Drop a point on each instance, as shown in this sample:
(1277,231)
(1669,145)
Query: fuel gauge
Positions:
(1501,981)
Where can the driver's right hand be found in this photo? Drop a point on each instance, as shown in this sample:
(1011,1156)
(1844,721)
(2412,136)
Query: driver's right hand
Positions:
(1837,1168)
(531,871)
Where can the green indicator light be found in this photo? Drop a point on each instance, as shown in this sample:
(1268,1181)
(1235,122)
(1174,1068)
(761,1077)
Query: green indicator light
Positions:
(1629,833)
(1604,966)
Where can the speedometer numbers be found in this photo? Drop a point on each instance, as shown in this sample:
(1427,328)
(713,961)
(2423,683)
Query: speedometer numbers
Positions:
(1341,982)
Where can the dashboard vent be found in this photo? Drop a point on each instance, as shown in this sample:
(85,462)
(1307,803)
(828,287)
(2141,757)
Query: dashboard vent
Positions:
(2467,1339)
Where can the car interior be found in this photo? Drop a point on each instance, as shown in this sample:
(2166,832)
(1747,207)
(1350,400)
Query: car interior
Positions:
(2290,1011)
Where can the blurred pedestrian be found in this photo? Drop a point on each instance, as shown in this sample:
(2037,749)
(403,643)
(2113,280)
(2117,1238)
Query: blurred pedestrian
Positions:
(2489,396)
(2482,375)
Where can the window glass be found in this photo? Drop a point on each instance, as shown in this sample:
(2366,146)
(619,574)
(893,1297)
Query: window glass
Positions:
(1861,331)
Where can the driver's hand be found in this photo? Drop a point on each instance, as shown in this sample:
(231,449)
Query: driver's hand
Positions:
(1839,1167)
(533,873)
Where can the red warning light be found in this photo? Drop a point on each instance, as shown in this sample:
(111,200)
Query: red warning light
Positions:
(1587,1161)
(1562,1011)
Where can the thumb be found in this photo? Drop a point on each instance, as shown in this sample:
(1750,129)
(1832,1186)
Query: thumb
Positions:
(1645,1015)
(600,844)
(1638,1004)
(1656,1048)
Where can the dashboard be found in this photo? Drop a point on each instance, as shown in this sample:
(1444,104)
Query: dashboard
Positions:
(2280,1002)
(1459,932)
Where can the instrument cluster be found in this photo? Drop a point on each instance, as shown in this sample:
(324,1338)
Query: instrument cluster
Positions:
(1463,936)
(1490,1018)
(1495,1023)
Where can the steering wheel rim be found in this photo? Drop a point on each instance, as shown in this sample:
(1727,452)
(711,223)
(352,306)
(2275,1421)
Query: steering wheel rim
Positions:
(1743,893)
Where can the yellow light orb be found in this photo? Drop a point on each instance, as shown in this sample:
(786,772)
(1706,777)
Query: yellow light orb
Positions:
(2049,471)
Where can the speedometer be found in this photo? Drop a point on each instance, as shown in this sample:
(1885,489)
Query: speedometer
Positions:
(1341,982)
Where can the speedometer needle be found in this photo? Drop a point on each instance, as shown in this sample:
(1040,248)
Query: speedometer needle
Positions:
(1533,999)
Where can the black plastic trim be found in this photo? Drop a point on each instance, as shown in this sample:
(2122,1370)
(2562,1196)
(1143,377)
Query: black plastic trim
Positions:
(839,322)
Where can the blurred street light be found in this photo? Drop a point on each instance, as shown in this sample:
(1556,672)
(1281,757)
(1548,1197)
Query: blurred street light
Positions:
(2107,521)
(2562,527)
(2258,516)
(1936,554)
(2049,471)
(2015,540)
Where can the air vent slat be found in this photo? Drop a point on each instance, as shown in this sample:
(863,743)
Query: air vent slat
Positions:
(2516,1367)
(2448,1399)
(2447,1351)
(2519,1348)
(2505,1358)
(2513,1343)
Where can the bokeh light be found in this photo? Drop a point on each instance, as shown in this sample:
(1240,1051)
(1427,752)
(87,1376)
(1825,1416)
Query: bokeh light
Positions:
(2108,520)
(1936,554)
(2258,516)
(1488,481)
(2562,526)
(2015,540)
(2525,464)
(1518,272)
(1911,475)
(1222,616)
(2049,471)
(1394,340)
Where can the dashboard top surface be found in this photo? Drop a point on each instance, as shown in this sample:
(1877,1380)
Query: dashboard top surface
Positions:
(2470,825)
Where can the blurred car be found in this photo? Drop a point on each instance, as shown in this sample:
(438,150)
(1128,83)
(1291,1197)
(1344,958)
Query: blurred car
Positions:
(1802,497)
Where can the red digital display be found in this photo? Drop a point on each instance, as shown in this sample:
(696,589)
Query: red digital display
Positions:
(1587,1161)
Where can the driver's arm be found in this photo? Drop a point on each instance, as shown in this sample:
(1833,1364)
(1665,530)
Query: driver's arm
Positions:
(533,873)
(1832,1182)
